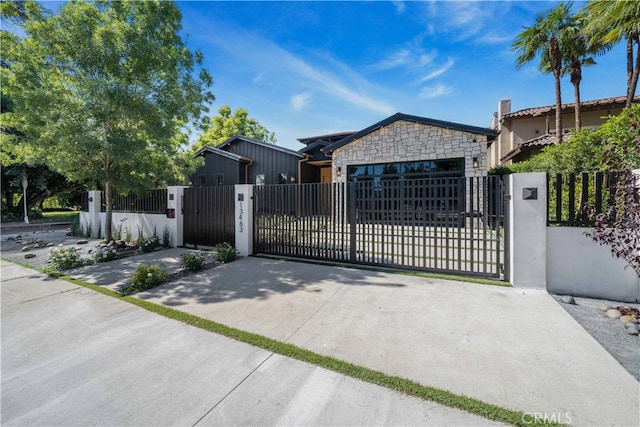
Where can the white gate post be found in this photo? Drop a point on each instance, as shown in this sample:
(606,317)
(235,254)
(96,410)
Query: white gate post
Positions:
(175,215)
(95,198)
(528,236)
(244,218)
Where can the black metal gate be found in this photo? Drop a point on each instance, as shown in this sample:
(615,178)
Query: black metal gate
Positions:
(451,225)
(209,216)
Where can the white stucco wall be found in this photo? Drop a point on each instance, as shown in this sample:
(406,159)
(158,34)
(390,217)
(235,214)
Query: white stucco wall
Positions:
(404,141)
(578,266)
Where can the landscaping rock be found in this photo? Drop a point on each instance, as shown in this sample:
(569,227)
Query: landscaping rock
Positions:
(26,249)
(604,307)
(567,299)
(631,331)
(82,242)
(29,255)
(632,326)
(613,313)
(628,319)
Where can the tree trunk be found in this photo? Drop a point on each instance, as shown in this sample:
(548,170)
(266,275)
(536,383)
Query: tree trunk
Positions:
(558,108)
(555,59)
(108,217)
(576,78)
(633,76)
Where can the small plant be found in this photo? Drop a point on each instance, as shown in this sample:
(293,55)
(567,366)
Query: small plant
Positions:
(166,237)
(146,277)
(62,258)
(150,244)
(192,261)
(226,252)
(118,230)
(106,254)
(127,235)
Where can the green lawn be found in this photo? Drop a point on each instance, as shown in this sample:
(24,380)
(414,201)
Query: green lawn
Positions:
(58,216)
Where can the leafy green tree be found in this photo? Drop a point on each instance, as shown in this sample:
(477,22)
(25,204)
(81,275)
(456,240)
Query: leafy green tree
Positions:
(619,136)
(543,40)
(225,125)
(611,22)
(104,90)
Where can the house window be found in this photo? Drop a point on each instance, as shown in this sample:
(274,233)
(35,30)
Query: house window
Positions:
(202,180)
(407,170)
(260,179)
(219,180)
(283,178)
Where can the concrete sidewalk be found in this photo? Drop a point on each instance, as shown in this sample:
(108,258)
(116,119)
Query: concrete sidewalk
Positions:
(71,356)
(511,347)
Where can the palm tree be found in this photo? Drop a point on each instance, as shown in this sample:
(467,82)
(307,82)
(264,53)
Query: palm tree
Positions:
(613,21)
(578,52)
(543,39)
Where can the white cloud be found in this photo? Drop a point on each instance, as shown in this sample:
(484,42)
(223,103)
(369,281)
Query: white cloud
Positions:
(250,51)
(412,57)
(333,85)
(400,5)
(439,71)
(258,78)
(465,20)
(435,91)
(300,100)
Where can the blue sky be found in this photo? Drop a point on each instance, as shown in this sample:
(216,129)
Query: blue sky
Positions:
(308,68)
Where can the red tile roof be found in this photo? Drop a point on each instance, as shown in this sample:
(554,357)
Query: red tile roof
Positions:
(539,141)
(617,101)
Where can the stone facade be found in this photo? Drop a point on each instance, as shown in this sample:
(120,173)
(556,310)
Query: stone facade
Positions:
(405,141)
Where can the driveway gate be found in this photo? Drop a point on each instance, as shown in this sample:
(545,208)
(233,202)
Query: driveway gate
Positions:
(451,225)
(209,216)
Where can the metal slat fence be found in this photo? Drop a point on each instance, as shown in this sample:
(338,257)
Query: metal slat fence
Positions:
(154,201)
(575,199)
(440,224)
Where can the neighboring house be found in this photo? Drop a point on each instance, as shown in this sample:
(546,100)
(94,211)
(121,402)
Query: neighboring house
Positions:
(314,156)
(524,133)
(242,160)
(407,146)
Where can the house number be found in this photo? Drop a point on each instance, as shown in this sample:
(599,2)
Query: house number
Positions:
(240,223)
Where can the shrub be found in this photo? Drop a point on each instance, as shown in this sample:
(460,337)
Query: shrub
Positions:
(166,237)
(62,258)
(226,252)
(78,229)
(150,244)
(146,277)
(192,262)
(35,213)
(106,254)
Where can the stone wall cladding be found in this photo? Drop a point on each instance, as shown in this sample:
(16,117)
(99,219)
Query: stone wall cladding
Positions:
(404,141)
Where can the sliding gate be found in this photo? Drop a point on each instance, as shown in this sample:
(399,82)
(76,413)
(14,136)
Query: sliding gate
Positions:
(451,225)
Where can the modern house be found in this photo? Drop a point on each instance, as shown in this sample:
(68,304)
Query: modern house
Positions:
(242,160)
(524,133)
(408,146)
(314,156)
(400,146)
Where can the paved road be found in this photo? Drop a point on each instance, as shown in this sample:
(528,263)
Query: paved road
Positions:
(71,356)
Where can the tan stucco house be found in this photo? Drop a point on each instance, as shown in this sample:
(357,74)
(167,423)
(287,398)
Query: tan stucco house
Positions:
(524,133)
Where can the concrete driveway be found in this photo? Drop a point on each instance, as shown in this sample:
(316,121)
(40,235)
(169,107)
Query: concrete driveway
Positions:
(511,347)
(71,356)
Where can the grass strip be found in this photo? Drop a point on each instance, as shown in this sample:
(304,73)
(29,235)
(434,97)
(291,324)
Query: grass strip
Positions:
(372,376)
(396,383)
(440,276)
